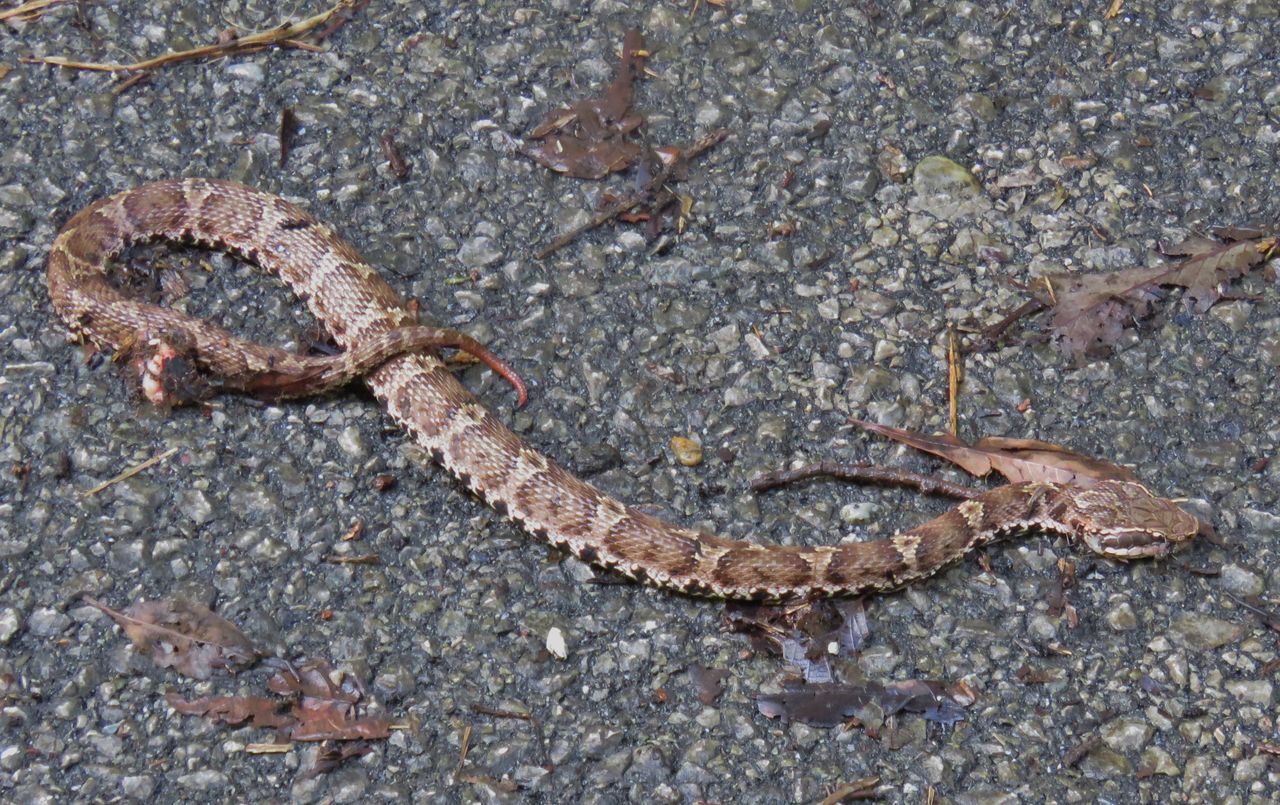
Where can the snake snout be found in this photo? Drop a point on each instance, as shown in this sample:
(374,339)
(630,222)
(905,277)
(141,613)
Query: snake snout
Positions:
(1123,520)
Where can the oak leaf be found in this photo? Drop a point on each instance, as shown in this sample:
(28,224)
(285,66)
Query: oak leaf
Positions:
(1091,311)
(184,636)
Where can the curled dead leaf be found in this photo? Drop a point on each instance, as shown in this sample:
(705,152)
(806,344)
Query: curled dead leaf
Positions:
(1018,460)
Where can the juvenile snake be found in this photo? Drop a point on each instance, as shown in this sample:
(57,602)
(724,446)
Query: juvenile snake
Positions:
(367,318)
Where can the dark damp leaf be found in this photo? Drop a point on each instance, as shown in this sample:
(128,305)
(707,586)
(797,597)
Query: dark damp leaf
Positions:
(833,704)
(234,710)
(332,755)
(588,139)
(1091,311)
(289,128)
(707,682)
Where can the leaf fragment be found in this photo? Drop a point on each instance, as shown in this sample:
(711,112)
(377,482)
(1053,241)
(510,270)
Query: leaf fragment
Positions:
(184,636)
(708,683)
(328,705)
(1018,460)
(1091,311)
(833,704)
(588,139)
(234,710)
(1210,264)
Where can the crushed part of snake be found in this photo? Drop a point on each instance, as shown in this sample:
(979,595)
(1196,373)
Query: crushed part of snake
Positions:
(167,366)
(1120,520)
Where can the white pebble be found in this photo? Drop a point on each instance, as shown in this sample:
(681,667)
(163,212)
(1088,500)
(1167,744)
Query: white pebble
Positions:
(555,643)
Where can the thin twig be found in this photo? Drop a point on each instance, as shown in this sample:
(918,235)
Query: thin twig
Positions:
(1268,617)
(282,35)
(485,710)
(495,712)
(636,199)
(864,473)
(990,336)
(129,473)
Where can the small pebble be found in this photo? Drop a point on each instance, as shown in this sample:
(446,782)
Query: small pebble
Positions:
(555,643)
(687,451)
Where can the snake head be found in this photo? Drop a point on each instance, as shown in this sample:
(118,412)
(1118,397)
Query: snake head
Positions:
(1122,520)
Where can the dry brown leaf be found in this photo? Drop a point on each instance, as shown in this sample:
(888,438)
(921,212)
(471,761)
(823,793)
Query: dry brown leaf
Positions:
(317,704)
(325,709)
(1057,463)
(707,682)
(234,710)
(1090,311)
(1209,264)
(588,140)
(184,635)
(1018,460)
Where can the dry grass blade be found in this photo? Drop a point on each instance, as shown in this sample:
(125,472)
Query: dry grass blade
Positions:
(284,35)
(129,473)
(953,383)
(30,11)
(866,788)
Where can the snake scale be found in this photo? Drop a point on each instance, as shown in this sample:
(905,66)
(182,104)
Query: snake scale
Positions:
(368,319)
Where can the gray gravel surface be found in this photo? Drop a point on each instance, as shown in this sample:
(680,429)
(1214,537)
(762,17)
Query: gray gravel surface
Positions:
(1089,142)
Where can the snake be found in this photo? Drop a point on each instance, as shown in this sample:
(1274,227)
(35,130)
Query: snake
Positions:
(400,361)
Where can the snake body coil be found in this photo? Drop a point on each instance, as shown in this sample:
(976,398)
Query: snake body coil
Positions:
(1117,519)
